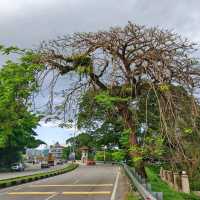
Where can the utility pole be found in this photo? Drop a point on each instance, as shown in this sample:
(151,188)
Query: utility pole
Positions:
(105,147)
(74,136)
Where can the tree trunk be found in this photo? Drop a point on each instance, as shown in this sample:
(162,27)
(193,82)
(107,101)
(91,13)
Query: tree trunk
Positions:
(129,124)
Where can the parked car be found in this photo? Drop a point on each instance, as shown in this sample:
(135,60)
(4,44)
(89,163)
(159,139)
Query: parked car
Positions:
(90,162)
(18,167)
(45,165)
(59,162)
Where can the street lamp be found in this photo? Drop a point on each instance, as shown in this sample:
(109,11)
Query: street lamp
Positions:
(105,147)
(73,153)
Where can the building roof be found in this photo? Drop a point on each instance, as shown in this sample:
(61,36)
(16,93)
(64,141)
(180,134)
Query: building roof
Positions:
(84,148)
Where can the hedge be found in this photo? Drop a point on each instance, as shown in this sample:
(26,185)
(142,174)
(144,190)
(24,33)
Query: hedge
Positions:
(24,179)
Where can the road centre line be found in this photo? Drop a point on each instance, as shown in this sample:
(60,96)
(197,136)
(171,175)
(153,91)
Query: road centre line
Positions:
(53,194)
(31,193)
(87,193)
(75,185)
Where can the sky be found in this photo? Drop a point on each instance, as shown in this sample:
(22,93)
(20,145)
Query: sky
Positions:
(26,23)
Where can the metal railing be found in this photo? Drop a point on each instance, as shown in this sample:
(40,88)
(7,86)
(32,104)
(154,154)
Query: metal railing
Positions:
(141,184)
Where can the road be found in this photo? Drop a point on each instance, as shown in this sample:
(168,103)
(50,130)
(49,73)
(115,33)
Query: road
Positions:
(100,182)
(30,169)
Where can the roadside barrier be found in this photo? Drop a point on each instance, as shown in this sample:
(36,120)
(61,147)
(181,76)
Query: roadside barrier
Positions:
(178,181)
(25,179)
(141,184)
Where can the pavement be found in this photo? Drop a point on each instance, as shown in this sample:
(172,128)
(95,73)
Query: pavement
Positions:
(100,182)
(29,170)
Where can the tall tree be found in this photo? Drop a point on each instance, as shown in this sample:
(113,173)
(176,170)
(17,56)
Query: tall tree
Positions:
(125,63)
(17,122)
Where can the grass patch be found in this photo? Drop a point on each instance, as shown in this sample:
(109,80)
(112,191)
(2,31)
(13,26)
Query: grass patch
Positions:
(132,196)
(29,178)
(160,186)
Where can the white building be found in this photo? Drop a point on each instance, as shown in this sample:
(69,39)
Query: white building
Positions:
(57,151)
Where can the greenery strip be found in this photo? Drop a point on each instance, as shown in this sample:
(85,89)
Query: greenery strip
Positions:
(24,179)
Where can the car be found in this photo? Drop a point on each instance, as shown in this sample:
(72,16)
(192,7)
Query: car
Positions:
(90,162)
(18,167)
(59,162)
(44,165)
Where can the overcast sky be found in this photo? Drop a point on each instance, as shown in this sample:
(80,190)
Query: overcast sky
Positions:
(27,22)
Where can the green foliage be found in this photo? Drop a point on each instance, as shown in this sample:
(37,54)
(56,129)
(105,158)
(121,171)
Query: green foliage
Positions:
(187,131)
(133,196)
(83,139)
(65,153)
(125,137)
(109,101)
(7,50)
(82,63)
(168,193)
(118,155)
(164,88)
(100,155)
(17,123)
(93,117)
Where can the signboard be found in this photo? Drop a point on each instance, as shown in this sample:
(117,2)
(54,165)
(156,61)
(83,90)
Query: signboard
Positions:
(72,156)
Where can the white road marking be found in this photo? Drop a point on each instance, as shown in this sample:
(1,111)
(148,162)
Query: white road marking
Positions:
(87,193)
(115,186)
(75,182)
(31,193)
(51,196)
(19,188)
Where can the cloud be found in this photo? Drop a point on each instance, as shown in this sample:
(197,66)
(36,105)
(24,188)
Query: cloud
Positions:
(27,22)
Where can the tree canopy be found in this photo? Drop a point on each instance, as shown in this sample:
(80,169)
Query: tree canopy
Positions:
(140,75)
(17,122)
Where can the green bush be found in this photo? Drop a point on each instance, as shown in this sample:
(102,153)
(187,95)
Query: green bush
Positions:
(118,155)
(99,156)
(2,185)
(13,182)
(30,179)
(23,181)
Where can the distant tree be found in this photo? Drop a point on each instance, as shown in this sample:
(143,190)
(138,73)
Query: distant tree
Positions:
(83,139)
(66,153)
(103,126)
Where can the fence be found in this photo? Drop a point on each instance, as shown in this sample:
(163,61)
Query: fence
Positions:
(141,184)
(180,182)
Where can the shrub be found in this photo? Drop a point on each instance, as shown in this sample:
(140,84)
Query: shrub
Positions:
(118,156)
(100,156)
(13,182)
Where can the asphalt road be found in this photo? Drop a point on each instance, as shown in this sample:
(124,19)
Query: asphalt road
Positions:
(29,170)
(101,182)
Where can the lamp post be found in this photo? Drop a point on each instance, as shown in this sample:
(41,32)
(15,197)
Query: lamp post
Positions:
(105,147)
(74,136)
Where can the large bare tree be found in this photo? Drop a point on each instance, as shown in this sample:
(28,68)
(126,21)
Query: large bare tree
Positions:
(135,56)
